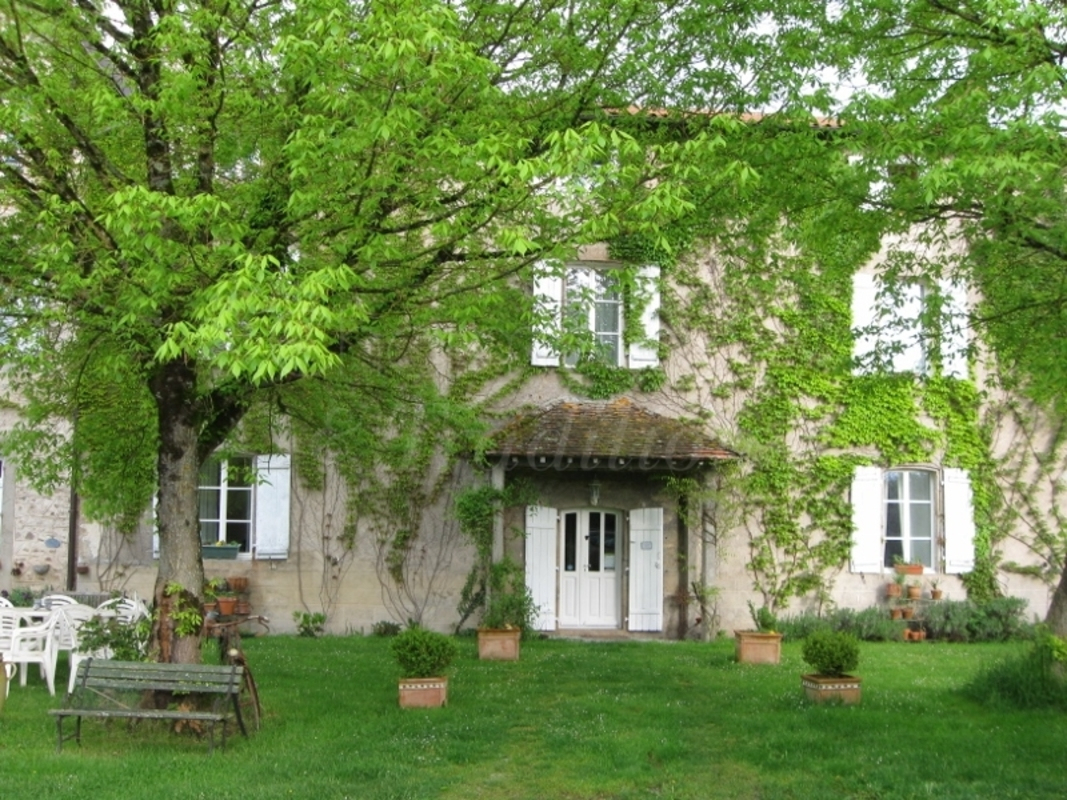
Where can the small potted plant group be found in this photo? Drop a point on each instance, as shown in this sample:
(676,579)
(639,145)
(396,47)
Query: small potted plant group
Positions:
(762,645)
(832,654)
(424,657)
(509,613)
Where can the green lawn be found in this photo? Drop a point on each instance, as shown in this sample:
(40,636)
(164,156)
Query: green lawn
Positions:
(571,720)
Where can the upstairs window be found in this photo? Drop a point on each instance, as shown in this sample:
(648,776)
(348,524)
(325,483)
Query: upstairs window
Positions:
(921,328)
(585,314)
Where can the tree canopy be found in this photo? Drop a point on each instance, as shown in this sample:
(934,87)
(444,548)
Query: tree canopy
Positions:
(208,204)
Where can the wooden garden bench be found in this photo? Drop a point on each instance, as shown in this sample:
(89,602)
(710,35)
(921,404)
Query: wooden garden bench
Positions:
(118,689)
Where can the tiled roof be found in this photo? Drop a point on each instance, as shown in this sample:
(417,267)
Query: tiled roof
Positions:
(614,434)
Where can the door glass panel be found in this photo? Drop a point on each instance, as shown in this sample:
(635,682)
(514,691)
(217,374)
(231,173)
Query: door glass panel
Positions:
(594,541)
(570,542)
(609,542)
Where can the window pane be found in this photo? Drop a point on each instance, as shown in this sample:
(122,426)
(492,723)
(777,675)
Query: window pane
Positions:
(921,552)
(209,532)
(570,542)
(211,473)
(209,503)
(609,542)
(608,349)
(238,532)
(594,541)
(607,317)
(920,485)
(239,471)
(239,504)
(892,521)
(894,549)
(921,522)
(607,286)
(892,485)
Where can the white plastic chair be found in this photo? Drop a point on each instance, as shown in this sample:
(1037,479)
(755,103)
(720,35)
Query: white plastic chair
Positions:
(10,621)
(56,600)
(126,609)
(9,668)
(5,603)
(36,644)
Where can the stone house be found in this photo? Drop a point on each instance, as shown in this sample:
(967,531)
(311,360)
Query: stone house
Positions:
(785,456)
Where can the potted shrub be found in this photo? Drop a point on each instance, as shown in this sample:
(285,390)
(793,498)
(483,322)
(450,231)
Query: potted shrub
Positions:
(832,654)
(915,590)
(509,613)
(423,656)
(762,645)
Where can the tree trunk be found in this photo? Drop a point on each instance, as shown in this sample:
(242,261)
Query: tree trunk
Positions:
(1056,618)
(180,582)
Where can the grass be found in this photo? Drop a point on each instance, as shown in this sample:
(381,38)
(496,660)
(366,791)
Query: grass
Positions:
(570,720)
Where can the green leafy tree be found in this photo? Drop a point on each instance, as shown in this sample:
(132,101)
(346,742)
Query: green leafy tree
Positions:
(957,107)
(214,211)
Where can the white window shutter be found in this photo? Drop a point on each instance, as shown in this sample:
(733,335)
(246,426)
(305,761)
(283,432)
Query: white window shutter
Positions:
(272,506)
(541,563)
(867,514)
(864,298)
(909,355)
(959,522)
(548,296)
(645,352)
(954,329)
(646,570)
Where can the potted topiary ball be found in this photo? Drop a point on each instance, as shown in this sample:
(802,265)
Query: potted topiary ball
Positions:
(832,655)
(423,656)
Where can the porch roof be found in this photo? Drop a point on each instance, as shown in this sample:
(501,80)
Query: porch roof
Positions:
(594,435)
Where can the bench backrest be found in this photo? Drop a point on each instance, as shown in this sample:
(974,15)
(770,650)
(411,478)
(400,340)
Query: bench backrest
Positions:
(99,675)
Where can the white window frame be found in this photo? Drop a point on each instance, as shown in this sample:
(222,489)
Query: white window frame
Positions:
(224,489)
(907,507)
(270,509)
(952,509)
(562,286)
(890,333)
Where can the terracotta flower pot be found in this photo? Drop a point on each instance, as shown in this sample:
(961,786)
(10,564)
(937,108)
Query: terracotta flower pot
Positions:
(238,583)
(423,692)
(499,644)
(844,689)
(892,590)
(227,605)
(754,647)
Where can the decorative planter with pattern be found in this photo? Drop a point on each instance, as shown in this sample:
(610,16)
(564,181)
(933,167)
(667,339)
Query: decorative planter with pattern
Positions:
(423,692)
(844,689)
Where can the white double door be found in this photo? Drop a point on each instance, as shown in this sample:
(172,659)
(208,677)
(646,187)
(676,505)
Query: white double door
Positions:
(590,563)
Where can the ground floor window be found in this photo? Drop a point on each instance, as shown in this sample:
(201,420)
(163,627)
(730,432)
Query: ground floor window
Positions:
(225,501)
(909,517)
